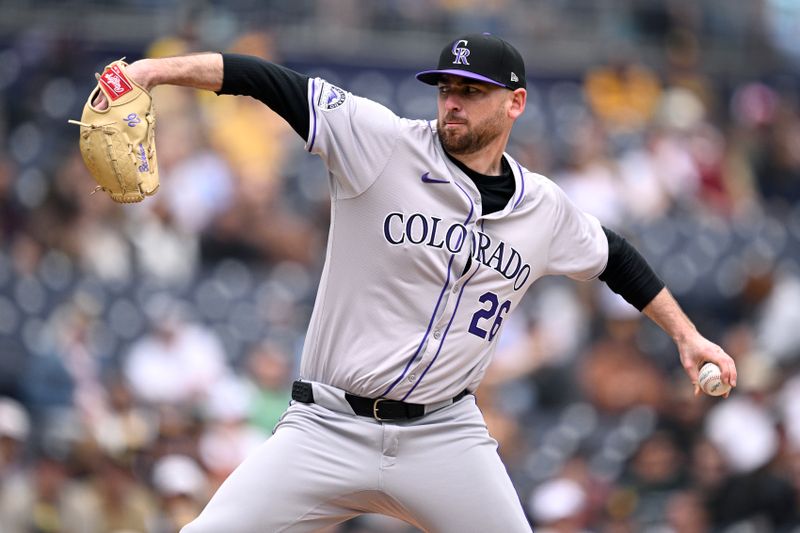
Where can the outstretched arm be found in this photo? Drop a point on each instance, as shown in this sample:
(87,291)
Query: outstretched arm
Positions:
(281,89)
(200,71)
(629,275)
(694,349)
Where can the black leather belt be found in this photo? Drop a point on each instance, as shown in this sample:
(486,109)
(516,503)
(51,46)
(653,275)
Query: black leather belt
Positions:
(381,409)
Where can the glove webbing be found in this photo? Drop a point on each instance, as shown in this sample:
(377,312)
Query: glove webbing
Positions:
(111,153)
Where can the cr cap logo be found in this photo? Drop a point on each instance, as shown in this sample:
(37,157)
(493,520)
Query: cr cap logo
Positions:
(461,52)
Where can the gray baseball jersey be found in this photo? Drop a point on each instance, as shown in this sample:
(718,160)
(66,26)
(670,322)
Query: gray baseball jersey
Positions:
(417,281)
(415,289)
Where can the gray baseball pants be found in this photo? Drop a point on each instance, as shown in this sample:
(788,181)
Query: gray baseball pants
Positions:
(440,473)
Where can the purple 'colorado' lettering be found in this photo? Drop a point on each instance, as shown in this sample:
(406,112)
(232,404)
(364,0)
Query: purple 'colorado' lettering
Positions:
(433,234)
(419,229)
(517,267)
(497,255)
(422,226)
(454,248)
(519,281)
(483,243)
(513,268)
(387,231)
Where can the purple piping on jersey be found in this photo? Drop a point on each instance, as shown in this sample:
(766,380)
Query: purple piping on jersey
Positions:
(314,110)
(469,199)
(424,337)
(444,288)
(444,336)
(522,180)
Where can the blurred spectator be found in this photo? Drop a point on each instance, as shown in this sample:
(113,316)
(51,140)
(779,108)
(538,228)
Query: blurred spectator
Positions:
(165,252)
(228,438)
(178,361)
(794,476)
(198,189)
(746,436)
(247,133)
(789,402)
(777,164)
(87,227)
(12,216)
(776,314)
(624,95)
(645,190)
(615,375)
(686,513)
(558,506)
(117,502)
(125,428)
(48,501)
(73,343)
(270,371)
(593,181)
(180,484)
(654,476)
(14,431)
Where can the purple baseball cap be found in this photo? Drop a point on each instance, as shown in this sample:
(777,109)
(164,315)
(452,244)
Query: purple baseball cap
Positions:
(481,57)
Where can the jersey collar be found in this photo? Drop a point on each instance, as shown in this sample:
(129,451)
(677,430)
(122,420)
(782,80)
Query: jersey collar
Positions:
(516,170)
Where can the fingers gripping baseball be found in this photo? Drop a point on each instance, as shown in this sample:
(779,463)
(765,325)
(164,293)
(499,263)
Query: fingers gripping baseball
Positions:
(699,351)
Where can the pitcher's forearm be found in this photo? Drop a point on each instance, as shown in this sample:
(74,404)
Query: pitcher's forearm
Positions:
(665,311)
(200,71)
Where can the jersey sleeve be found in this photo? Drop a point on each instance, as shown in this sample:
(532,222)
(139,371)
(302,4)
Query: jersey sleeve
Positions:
(354,136)
(280,88)
(579,247)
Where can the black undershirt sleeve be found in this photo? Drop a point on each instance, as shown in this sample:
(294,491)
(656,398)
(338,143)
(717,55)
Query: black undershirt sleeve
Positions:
(628,274)
(282,89)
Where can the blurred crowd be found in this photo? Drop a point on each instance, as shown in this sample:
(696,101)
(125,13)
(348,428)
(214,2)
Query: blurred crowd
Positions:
(145,350)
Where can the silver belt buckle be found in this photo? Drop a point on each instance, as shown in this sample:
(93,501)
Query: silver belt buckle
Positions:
(375,410)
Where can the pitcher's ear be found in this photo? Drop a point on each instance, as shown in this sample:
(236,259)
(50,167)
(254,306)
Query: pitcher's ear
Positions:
(518,100)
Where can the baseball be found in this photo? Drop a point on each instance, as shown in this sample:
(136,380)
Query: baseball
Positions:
(710,380)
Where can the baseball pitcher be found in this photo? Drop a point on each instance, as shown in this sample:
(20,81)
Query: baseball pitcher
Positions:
(436,234)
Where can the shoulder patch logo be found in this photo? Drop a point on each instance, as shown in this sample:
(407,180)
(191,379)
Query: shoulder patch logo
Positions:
(330,97)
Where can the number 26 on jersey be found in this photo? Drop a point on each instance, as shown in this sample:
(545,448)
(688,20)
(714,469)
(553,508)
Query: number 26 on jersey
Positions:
(483,318)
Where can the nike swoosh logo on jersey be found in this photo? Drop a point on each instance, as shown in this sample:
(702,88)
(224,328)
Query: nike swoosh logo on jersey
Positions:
(426,178)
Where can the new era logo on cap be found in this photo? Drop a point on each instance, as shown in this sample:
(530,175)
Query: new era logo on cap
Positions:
(481,57)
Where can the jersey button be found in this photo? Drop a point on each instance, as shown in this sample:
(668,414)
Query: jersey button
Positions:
(478,200)
(455,289)
(437,334)
(412,377)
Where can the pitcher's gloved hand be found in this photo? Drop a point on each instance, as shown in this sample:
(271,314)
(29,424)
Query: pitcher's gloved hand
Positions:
(117,138)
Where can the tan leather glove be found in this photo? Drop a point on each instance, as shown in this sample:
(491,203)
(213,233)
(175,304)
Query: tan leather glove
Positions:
(118,143)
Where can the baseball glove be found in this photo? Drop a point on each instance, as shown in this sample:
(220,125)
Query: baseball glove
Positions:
(118,143)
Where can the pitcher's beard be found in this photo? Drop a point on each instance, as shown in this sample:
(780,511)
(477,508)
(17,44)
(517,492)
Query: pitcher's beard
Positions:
(470,141)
